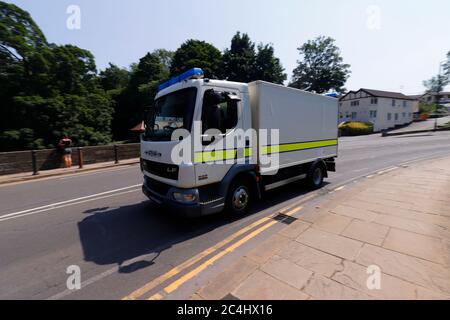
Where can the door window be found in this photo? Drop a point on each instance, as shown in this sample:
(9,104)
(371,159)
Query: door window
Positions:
(219,111)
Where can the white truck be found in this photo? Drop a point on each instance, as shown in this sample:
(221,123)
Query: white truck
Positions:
(289,135)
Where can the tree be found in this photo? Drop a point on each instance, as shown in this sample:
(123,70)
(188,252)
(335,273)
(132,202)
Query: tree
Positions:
(113,78)
(267,66)
(166,57)
(238,62)
(142,87)
(47,89)
(437,84)
(446,66)
(196,53)
(19,34)
(321,67)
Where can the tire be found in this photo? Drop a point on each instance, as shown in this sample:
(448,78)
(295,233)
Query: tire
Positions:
(239,197)
(316,176)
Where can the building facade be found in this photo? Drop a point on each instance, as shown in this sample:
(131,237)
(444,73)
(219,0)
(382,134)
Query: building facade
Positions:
(382,108)
(431,97)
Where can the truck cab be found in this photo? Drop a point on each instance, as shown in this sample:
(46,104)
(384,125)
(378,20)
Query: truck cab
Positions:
(195,156)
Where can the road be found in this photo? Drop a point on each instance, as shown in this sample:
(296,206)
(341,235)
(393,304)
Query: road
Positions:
(424,125)
(101,222)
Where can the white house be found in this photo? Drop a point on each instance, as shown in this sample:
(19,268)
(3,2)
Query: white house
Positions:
(382,108)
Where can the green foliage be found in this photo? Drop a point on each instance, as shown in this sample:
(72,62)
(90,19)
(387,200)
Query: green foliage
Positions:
(427,108)
(267,66)
(321,67)
(113,78)
(196,53)
(437,83)
(355,128)
(19,34)
(242,63)
(238,62)
(48,89)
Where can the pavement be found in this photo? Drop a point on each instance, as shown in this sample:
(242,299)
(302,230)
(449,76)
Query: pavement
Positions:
(396,225)
(127,247)
(423,125)
(26,176)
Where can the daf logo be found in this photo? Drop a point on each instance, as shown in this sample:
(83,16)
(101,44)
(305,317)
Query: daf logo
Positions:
(153,153)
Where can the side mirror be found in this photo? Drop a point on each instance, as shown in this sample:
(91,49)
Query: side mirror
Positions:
(231,97)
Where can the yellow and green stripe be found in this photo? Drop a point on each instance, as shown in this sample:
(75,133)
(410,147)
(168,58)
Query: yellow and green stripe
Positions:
(219,155)
(298,146)
(222,155)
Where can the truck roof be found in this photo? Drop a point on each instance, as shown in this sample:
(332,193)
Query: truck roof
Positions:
(242,87)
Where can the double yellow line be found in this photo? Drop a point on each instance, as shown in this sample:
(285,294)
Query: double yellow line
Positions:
(221,247)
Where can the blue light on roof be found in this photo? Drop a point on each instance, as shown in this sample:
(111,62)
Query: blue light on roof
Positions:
(332,94)
(192,73)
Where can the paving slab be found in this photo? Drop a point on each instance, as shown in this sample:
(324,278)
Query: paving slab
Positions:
(395,226)
(364,231)
(331,243)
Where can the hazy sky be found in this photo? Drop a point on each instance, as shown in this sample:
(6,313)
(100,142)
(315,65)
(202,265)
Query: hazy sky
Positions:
(390,45)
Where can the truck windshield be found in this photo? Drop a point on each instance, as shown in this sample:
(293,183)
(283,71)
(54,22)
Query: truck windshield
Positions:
(172,111)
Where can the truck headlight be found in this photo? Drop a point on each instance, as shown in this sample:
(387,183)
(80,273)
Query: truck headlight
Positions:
(187,197)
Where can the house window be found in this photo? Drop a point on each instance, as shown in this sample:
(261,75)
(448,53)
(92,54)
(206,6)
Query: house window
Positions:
(340,115)
(354,115)
(354,103)
(393,102)
(396,116)
(373,113)
(404,114)
(374,101)
(404,103)
(389,116)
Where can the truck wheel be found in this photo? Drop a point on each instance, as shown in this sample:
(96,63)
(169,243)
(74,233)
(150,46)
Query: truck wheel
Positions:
(239,197)
(316,176)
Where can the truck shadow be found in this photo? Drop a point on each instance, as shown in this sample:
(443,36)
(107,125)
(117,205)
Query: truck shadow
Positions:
(134,236)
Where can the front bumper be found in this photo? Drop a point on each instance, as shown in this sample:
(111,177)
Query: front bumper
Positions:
(162,195)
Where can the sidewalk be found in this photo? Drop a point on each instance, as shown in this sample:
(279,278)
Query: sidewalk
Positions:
(397,223)
(25,176)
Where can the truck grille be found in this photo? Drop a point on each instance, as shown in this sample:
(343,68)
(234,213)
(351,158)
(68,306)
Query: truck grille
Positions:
(156,186)
(169,171)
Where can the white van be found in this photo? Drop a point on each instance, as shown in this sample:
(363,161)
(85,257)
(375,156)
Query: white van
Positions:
(248,138)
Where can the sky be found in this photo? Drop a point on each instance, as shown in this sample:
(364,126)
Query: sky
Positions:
(390,45)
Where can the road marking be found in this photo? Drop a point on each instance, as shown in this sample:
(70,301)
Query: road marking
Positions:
(190,262)
(66,203)
(176,284)
(188,276)
(176,270)
(156,297)
(387,170)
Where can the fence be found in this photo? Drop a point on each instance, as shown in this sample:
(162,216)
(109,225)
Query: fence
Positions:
(37,160)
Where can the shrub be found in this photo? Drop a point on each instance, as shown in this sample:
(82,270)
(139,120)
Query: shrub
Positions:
(355,128)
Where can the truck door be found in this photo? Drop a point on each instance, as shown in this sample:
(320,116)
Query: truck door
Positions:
(222,124)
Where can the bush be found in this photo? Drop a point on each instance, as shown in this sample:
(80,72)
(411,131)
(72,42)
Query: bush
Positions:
(354,128)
